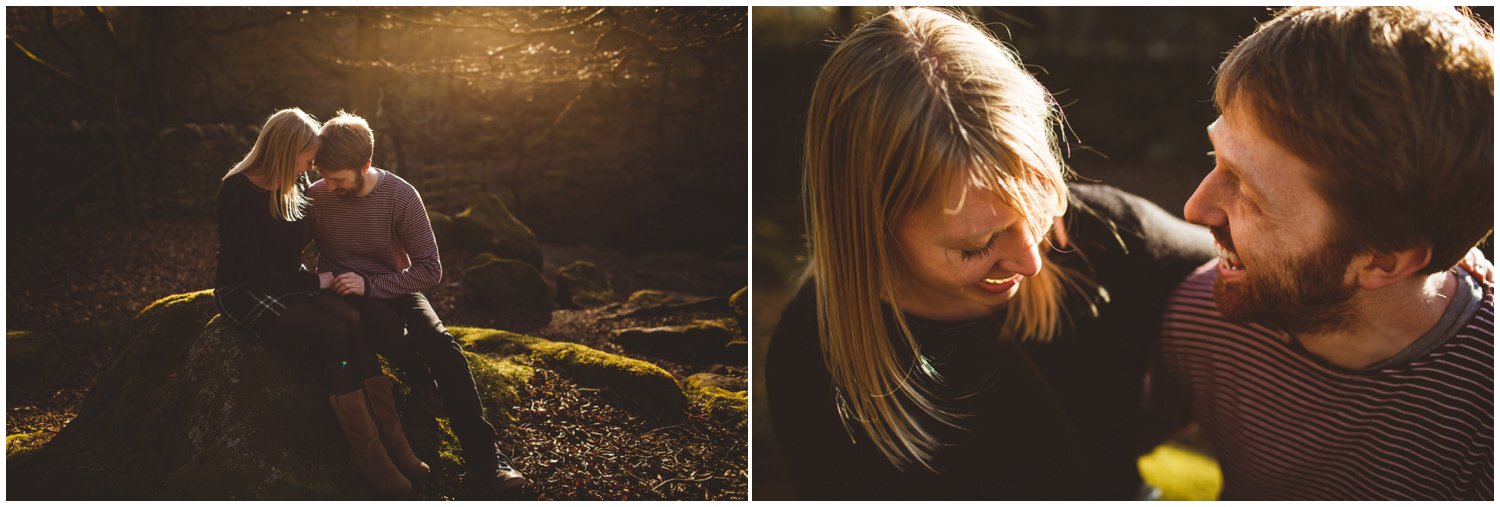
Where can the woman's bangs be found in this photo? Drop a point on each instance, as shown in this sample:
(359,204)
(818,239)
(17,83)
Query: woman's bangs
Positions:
(1024,187)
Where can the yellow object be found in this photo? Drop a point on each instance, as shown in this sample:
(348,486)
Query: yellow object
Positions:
(1181,473)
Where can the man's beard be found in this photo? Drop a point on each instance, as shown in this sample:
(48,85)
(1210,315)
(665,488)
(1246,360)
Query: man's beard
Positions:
(359,183)
(1306,295)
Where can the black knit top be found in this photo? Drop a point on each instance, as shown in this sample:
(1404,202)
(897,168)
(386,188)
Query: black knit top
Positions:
(1059,420)
(257,250)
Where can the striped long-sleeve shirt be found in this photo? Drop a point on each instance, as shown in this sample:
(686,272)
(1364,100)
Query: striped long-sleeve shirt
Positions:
(384,236)
(1287,425)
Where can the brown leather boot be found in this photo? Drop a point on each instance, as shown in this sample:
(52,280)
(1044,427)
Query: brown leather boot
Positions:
(366,453)
(383,408)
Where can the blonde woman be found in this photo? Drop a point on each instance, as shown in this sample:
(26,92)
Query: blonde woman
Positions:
(262,286)
(971,327)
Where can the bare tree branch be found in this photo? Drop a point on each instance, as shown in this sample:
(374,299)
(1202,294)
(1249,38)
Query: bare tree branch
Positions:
(53,70)
(278,17)
(77,60)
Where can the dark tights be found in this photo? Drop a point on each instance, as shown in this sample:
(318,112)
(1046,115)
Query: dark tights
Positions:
(338,338)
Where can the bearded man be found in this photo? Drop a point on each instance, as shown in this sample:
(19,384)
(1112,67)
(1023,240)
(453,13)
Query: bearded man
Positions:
(1333,351)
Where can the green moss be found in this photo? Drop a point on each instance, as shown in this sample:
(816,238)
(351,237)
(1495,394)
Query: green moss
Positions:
(739,302)
(632,378)
(489,226)
(1181,473)
(448,452)
(500,384)
(719,404)
(229,432)
(21,444)
(156,347)
(195,408)
(649,297)
(115,448)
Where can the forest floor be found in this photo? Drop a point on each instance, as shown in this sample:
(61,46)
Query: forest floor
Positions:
(86,280)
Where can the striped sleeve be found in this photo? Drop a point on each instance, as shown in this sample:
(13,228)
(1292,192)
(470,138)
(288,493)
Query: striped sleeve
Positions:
(413,235)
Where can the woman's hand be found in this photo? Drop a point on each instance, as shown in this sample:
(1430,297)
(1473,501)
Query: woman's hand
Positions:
(325,280)
(1477,265)
(349,283)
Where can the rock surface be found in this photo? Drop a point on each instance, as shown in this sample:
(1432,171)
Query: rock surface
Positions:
(635,381)
(510,289)
(739,303)
(724,398)
(489,226)
(33,359)
(195,408)
(652,297)
(581,284)
(702,341)
(442,229)
(737,352)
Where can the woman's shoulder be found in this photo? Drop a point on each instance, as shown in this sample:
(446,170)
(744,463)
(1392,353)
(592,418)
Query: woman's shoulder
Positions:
(1099,203)
(236,180)
(1105,211)
(795,338)
(239,187)
(1127,237)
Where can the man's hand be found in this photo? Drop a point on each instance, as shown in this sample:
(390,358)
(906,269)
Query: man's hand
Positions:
(349,283)
(1477,265)
(325,280)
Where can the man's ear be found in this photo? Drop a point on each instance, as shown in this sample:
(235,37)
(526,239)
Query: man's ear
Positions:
(1374,270)
(367,166)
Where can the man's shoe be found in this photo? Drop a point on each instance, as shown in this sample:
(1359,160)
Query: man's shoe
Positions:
(503,478)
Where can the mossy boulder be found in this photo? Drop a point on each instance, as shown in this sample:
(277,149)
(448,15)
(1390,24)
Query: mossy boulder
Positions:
(652,297)
(701,341)
(442,229)
(21,444)
(501,381)
(724,399)
(633,380)
(195,408)
(488,226)
(512,290)
(582,284)
(33,359)
(737,352)
(739,303)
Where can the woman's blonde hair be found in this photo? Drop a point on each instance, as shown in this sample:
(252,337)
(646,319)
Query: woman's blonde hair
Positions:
(286,134)
(909,103)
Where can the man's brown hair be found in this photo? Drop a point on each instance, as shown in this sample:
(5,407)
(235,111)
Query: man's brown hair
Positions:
(347,141)
(1394,109)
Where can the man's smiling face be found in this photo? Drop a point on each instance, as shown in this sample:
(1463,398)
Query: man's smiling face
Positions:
(1278,261)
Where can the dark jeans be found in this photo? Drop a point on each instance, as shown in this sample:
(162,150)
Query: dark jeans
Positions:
(440,354)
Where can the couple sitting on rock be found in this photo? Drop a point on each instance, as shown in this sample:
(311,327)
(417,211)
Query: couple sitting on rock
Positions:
(376,253)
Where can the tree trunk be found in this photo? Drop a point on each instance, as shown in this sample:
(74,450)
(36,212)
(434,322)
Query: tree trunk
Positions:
(364,91)
(127,186)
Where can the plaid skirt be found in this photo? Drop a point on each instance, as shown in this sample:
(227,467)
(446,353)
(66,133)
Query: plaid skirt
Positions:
(254,310)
